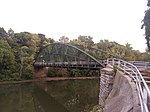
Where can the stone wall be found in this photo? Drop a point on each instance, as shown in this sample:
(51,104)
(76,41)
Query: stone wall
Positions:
(40,72)
(106,82)
(123,97)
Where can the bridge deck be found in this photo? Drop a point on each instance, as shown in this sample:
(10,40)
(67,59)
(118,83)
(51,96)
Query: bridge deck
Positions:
(79,65)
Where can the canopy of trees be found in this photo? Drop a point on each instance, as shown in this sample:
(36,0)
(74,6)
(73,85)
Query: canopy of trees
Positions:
(18,51)
(146,25)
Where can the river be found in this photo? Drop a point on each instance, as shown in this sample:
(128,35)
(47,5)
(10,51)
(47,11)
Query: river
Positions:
(51,96)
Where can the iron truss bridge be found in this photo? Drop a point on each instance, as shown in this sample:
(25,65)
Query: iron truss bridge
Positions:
(72,56)
(75,56)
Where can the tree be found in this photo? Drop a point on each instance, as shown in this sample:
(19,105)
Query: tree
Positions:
(11,32)
(3,34)
(146,25)
(125,52)
(51,40)
(64,39)
(7,61)
(75,41)
(87,40)
(106,45)
(25,47)
(128,52)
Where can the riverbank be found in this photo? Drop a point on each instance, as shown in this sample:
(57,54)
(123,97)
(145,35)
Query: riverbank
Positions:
(48,79)
(69,78)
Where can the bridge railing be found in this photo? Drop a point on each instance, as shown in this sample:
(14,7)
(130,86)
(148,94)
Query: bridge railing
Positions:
(134,73)
(141,64)
(70,64)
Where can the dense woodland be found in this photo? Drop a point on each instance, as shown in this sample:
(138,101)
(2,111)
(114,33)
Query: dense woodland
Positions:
(18,51)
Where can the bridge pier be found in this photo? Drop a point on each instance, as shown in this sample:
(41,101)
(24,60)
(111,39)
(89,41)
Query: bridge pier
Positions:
(40,72)
(106,83)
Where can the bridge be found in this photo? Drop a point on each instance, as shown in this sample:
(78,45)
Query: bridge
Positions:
(75,56)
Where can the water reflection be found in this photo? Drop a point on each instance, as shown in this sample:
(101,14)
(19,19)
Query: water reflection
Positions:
(54,96)
(47,102)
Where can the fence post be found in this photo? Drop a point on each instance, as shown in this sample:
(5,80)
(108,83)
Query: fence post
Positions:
(107,61)
(124,67)
(145,65)
(118,63)
(113,62)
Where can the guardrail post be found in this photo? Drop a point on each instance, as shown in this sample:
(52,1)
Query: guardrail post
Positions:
(145,65)
(107,61)
(145,96)
(131,67)
(124,67)
(113,61)
(118,63)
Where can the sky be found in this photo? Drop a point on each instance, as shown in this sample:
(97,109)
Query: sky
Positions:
(115,20)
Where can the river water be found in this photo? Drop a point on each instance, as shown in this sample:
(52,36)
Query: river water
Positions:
(52,96)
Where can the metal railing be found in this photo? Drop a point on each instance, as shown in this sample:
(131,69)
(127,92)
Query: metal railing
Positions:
(141,64)
(134,73)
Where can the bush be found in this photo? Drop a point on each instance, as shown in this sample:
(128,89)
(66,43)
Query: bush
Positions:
(97,108)
(27,73)
(114,69)
(51,72)
(10,77)
(74,73)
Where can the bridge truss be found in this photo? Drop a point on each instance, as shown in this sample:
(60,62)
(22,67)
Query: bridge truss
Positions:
(64,55)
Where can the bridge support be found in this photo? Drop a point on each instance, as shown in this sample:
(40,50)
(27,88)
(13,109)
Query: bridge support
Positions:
(106,82)
(40,72)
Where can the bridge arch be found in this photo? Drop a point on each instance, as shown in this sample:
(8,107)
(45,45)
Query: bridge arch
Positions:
(59,52)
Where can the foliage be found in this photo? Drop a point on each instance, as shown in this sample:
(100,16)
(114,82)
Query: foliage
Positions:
(51,72)
(3,34)
(115,69)
(18,51)
(125,52)
(7,61)
(97,108)
(75,73)
(64,39)
(146,25)
(86,40)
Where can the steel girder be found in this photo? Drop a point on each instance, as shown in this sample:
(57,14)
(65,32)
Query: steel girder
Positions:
(59,52)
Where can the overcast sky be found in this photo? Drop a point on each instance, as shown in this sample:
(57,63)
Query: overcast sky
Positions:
(115,20)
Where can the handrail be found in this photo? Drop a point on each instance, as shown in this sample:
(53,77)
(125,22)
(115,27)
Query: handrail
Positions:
(135,74)
(141,63)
